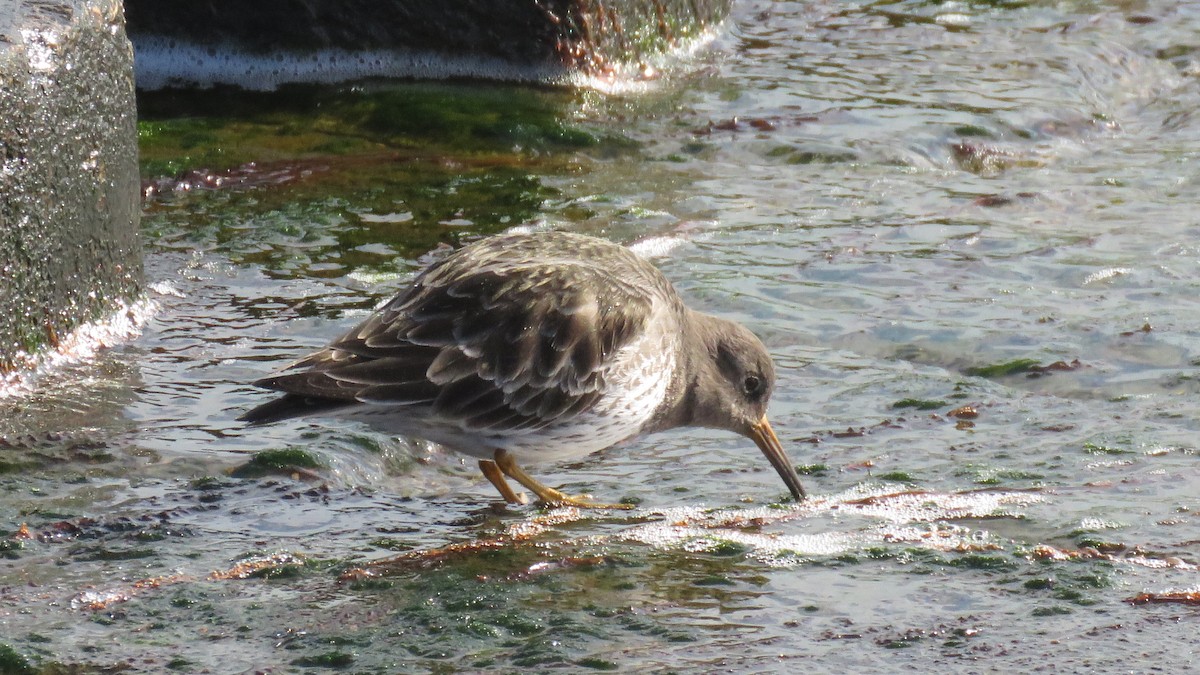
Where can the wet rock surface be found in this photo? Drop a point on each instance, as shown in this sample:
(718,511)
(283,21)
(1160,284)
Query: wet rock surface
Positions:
(264,44)
(69,191)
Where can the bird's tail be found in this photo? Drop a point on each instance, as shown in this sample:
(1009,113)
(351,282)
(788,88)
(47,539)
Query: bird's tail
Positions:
(289,406)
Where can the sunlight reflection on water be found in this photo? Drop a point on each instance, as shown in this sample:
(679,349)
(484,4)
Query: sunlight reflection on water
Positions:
(917,214)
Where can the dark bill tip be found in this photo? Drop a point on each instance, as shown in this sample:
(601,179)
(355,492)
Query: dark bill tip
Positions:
(766,440)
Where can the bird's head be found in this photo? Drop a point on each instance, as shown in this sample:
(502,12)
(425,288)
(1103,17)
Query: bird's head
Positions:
(732,387)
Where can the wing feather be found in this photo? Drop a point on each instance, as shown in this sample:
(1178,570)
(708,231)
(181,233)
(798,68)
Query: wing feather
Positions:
(510,333)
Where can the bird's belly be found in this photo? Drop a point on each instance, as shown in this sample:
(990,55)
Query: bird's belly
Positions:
(582,436)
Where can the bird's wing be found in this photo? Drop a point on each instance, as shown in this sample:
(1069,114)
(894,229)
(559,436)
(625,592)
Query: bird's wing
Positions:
(491,346)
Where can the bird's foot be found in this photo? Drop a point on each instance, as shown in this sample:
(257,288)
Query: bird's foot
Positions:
(553,497)
(503,465)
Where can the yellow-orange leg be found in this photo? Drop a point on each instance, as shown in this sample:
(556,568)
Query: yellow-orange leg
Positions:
(496,476)
(546,495)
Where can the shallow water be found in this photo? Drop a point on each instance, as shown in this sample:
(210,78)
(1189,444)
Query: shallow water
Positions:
(918,206)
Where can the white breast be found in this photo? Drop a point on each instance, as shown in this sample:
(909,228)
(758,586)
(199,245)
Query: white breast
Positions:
(637,383)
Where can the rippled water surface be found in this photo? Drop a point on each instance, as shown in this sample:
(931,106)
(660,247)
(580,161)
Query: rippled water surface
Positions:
(967,231)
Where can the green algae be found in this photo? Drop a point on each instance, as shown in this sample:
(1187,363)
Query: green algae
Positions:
(729,548)
(10,549)
(331,659)
(596,663)
(12,663)
(15,467)
(812,469)
(284,460)
(991,476)
(361,217)
(977,561)
(1101,449)
(225,128)
(324,182)
(552,604)
(919,404)
(1004,369)
(1052,610)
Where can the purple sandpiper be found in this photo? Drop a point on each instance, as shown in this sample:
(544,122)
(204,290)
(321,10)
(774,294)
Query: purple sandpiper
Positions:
(538,347)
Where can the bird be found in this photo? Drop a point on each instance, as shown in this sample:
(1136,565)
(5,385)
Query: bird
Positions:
(533,347)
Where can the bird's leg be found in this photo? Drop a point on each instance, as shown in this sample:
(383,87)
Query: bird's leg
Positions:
(493,474)
(546,495)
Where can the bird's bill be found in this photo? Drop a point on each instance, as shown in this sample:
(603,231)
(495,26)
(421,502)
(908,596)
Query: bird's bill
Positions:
(766,440)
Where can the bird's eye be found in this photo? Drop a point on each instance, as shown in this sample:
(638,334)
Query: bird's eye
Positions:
(753,386)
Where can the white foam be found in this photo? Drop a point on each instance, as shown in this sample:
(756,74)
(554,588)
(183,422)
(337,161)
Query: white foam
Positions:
(1107,274)
(1098,524)
(160,62)
(166,287)
(393,217)
(375,279)
(656,247)
(695,529)
(539,225)
(122,324)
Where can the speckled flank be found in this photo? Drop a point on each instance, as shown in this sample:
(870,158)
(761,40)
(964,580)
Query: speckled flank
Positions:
(636,386)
